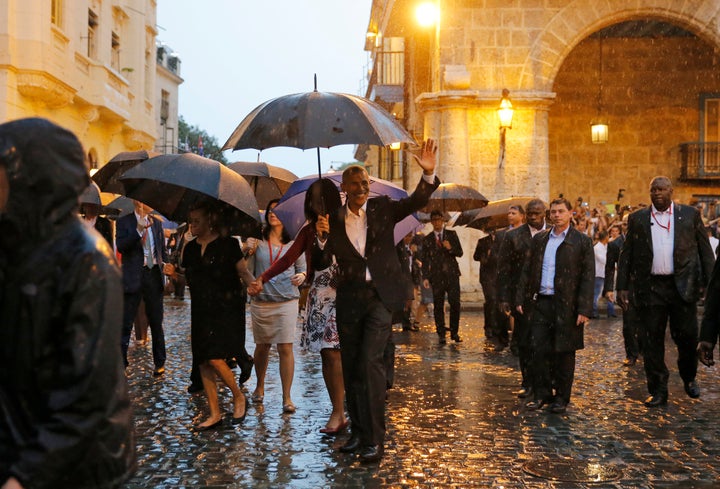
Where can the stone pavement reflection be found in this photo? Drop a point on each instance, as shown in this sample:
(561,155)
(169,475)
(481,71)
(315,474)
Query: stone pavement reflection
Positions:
(452,421)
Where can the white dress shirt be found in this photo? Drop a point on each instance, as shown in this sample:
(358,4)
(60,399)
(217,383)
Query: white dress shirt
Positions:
(662,229)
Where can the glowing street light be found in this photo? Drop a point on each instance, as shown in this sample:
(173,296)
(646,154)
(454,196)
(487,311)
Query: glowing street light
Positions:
(427,14)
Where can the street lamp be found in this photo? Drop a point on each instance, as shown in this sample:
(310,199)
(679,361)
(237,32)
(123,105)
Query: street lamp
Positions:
(598,127)
(505,114)
(427,14)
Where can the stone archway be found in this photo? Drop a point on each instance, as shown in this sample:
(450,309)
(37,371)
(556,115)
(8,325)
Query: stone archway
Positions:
(652,90)
(581,18)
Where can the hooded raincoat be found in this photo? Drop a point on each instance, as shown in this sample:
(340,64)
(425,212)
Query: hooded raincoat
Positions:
(65,416)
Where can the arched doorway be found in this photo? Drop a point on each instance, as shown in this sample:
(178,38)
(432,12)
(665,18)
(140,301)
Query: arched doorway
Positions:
(656,83)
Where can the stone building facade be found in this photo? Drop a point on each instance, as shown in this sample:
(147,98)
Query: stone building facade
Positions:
(90,66)
(649,68)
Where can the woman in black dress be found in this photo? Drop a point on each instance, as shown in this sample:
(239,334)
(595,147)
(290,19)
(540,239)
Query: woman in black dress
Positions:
(214,266)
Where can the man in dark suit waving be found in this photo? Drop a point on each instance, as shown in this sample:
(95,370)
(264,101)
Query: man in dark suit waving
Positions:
(360,235)
(441,248)
(140,240)
(665,262)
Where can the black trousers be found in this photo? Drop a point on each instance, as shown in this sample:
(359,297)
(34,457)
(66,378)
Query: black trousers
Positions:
(521,341)
(364,327)
(449,286)
(631,333)
(667,305)
(151,291)
(549,368)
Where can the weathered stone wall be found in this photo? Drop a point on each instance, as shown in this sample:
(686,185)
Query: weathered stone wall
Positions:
(650,99)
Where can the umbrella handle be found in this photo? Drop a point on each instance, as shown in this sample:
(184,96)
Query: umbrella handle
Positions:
(323,235)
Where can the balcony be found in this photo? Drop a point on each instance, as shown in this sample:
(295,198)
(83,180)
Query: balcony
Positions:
(387,77)
(700,162)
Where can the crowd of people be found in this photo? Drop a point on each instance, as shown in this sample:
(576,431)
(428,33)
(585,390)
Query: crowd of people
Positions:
(62,389)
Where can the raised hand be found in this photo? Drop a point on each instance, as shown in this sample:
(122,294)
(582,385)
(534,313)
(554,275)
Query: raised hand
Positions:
(428,157)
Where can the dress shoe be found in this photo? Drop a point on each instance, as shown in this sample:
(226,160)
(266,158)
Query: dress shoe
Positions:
(692,389)
(351,445)
(195,388)
(630,362)
(456,338)
(371,453)
(241,419)
(335,431)
(558,407)
(524,392)
(246,366)
(208,427)
(442,340)
(158,371)
(535,404)
(655,401)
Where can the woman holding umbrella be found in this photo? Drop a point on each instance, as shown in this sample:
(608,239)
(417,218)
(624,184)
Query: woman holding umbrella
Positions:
(214,266)
(274,310)
(320,331)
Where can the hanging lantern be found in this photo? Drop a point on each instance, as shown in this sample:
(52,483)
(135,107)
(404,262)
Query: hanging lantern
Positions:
(599,131)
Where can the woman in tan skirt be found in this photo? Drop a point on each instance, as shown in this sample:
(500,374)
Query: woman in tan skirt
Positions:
(274,311)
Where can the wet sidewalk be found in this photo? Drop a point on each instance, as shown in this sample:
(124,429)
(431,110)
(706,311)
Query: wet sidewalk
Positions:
(453,421)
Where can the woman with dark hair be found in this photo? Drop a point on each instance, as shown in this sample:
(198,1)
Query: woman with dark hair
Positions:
(320,330)
(274,310)
(214,267)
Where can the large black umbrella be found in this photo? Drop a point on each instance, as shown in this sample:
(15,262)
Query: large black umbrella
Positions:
(450,197)
(267,181)
(492,216)
(108,176)
(171,184)
(317,120)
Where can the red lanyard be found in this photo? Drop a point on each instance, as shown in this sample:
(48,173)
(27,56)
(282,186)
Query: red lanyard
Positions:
(666,227)
(277,257)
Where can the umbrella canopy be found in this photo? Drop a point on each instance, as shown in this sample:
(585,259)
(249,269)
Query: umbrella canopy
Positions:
(290,209)
(317,120)
(267,181)
(172,184)
(450,197)
(91,195)
(493,216)
(108,176)
(121,205)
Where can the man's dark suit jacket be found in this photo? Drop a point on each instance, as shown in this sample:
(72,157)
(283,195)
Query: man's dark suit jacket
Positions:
(612,257)
(514,250)
(439,264)
(380,255)
(104,227)
(574,284)
(693,257)
(710,325)
(129,244)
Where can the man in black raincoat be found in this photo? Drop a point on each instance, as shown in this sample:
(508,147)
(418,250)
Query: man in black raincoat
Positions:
(65,416)
(556,292)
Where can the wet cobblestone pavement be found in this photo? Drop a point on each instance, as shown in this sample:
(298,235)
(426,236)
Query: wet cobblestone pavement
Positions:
(453,421)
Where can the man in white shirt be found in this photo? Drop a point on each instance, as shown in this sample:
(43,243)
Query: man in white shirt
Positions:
(600,250)
(664,266)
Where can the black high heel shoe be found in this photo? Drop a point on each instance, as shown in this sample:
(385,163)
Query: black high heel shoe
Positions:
(241,419)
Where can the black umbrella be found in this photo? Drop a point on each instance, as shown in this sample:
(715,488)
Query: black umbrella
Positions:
(317,120)
(108,176)
(493,216)
(450,197)
(267,181)
(172,184)
(92,196)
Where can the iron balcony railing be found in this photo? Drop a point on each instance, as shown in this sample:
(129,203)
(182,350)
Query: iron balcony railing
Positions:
(700,161)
